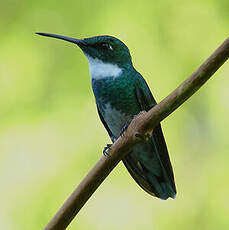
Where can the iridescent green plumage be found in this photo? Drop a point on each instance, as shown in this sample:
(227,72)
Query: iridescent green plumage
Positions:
(149,162)
(120,93)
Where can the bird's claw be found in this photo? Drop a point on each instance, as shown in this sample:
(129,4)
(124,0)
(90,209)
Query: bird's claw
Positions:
(142,137)
(106,149)
(124,128)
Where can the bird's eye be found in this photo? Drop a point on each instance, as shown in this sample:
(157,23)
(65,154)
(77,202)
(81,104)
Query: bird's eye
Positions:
(106,46)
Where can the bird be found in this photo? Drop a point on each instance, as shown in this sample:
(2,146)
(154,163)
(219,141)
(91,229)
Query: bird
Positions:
(120,93)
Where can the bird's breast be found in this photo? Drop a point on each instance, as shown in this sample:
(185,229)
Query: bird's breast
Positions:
(116,101)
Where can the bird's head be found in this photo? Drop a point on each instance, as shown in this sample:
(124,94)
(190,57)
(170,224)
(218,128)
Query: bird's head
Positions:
(106,49)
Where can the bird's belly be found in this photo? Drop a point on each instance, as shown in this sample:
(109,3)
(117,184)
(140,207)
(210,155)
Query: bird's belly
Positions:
(115,119)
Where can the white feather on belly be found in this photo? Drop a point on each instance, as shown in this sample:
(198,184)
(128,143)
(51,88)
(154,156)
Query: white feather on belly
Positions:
(114,119)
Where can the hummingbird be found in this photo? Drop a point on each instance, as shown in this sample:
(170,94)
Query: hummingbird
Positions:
(120,94)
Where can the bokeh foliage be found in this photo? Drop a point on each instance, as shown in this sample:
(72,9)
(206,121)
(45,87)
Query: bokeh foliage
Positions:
(50,133)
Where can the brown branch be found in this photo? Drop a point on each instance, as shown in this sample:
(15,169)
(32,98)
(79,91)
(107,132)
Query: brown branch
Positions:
(142,124)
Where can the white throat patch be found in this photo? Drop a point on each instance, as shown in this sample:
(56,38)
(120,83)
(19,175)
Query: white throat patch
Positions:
(99,69)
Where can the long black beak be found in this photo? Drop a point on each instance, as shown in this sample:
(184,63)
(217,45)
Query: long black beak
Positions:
(79,42)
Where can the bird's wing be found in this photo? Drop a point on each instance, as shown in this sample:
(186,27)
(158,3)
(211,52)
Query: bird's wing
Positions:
(137,171)
(136,168)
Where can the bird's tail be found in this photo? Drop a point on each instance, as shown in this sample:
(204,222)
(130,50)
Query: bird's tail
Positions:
(150,166)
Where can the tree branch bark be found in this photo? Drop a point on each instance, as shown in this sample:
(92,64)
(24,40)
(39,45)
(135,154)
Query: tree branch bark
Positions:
(142,124)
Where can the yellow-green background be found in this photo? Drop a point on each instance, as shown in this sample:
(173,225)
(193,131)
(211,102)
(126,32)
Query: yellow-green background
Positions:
(50,133)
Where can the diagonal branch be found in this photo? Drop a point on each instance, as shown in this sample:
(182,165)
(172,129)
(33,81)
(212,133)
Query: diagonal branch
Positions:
(141,125)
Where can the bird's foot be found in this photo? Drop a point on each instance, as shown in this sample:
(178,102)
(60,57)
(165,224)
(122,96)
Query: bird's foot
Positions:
(106,150)
(140,136)
(143,137)
(124,128)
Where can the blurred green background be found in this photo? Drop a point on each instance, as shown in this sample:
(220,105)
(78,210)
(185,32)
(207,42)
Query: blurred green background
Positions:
(50,133)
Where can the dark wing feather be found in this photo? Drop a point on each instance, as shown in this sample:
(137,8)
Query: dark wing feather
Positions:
(163,153)
(137,170)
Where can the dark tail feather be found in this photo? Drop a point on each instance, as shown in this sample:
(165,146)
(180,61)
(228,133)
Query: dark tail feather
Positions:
(159,142)
(154,185)
(150,166)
